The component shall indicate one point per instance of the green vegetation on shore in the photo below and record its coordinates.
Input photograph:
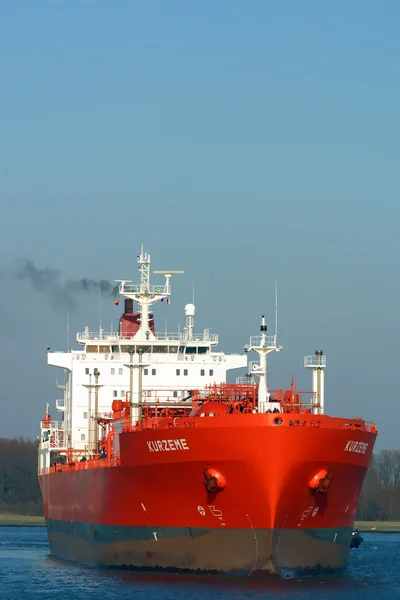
(19, 486)
(8, 519)
(380, 493)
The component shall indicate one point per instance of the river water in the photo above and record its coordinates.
(27, 571)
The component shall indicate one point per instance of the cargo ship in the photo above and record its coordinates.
(157, 462)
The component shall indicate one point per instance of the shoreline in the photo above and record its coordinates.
(378, 526)
(12, 520)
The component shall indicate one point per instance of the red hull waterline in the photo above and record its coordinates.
(153, 509)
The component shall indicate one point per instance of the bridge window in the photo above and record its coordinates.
(83, 437)
(211, 372)
(112, 371)
(159, 349)
(153, 371)
(122, 393)
(185, 371)
(175, 394)
(178, 371)
(85, 415)
(87, 371)
(145, 371)
(115, 393)
(202, 350)
(120, 371)
(202, 372)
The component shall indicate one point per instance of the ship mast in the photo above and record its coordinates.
(263, 345)
(145, 294)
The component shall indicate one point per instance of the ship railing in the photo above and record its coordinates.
(56, 439)
(52, 425)
(305, 419)
(315, 361)
(213, 391)
(140, 288)
(360, 425)
(294, 400)
(270, 341)
(180, 422)
(82, 465)
(245, 380)
(162, 397)
(205, 336)
(54, 434)
(371, 427)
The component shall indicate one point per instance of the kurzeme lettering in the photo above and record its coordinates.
(358, 447)
(167, 445)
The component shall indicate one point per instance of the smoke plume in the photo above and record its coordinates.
(61, 294)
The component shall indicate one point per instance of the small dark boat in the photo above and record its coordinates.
(356, 539)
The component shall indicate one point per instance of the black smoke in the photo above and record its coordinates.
(61, 294)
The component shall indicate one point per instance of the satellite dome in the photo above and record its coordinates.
(190, 310)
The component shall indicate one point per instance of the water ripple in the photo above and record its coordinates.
(27, 570)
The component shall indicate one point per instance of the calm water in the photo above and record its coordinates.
(27, 571)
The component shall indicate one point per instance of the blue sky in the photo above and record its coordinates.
(239, 141)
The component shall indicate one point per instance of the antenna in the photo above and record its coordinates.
(276, 310)
(167, 272)
(193, 292)
(145, 294)
(67, 332)
(100, 309)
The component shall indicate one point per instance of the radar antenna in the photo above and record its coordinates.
(146, 294)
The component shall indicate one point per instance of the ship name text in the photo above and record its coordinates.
(359, 447)
(167, 445)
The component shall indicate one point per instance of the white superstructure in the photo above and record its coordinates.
(133, 362)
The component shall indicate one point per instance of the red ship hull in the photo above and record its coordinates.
(153, 510)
